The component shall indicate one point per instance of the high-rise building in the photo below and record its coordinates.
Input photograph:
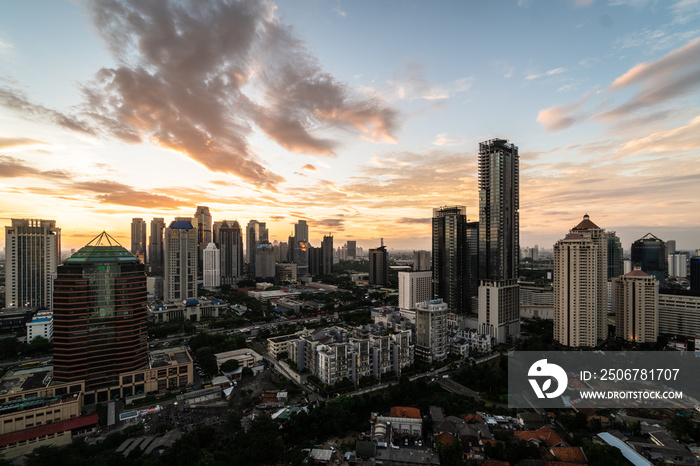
(379, 266)
(180, 278)
(352, 250)
(497, 299)
(499, 243)
(636, 306)
(32, 254)
(203, 223)
(265, 262)
(431, 330)
(255, 233)
(694, 266)
(314, 261)
(450, 257)
(580, 286)
(616, 266)
(498, 210)
(670, 246)
(138, 239)
(414, 287)
(327, 255)
(231, 246)
(678, 265)
(212, 266)
(679, 312)
(649, 252)
(472, 265)
(155, 247)
(300, 247)
(99, 315)
(421, 261)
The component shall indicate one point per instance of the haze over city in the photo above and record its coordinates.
(360, 117)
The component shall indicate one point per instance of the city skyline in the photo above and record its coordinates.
(600, 96)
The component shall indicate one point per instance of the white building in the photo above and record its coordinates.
(580, 286)
(40, 326)
(32, 254)
(536, 302)
(636, 305)
(414, 287)
(679, 313)
(678, 265)
(180, 277)
(212, 266)
(431, 330)
(499, 309)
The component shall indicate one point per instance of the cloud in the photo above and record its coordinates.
(583, 3)
(11, 167)
(551, 72)
(683, 138)
(561, 117)
(5, 47)
(7, 143)
(18, 101)
(196, 77)
(414, 220)
(309, 167)
(409, 82)
(443, 139)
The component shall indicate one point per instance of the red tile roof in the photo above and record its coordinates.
(48, 429)
(444, 438)
(569, 454)
(473, 418)
(400, 411)
(543, 434)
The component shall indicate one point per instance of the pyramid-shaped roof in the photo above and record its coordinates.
(102, 248)
(586, 224)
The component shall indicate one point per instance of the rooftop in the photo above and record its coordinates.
(586, 224)
(102, 248)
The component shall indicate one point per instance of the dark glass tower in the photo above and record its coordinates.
(695, 273)
(616, 264)
(327, 255)
(378, 266)
(649, 252)
(99, 315)
(155, 247)
(451, 257)
(231, 245)
(499, 221)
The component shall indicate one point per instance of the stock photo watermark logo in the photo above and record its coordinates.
(547, 372)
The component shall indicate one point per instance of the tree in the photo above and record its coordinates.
(230, 365)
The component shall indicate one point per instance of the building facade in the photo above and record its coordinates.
(615, 259)
(32, 254)
(138, 239)
(636, 306)
(40, 326)
(450, 257)
(212, 266)
(580, 286)
(99, 315)
(327, 255)
(414, 287)
(180, 277)
(421, 261)
(679, 312)
(649, 252)
(379, 266)
(499, 237)
(431, 330)
(231, 246)
(155, 246)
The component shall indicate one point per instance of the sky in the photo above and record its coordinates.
(357, 116)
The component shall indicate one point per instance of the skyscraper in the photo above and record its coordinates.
(498, 210)
(694, 273)
(32, 254)
(378, 266)
(212, 266)
(99, 315)
(352, 250)
(636, 305)
(580, 286)
(678, 265)
(414, 287)
(300, 247)
(203, 223)
(265, 262)
(251, 242)
(450, 257)
(615, 258)
(421, 261)
(180, 278)
(499, 244)
(138, 239)
(231, 246)
(649, 252)
(155, 247)
(327, 255)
